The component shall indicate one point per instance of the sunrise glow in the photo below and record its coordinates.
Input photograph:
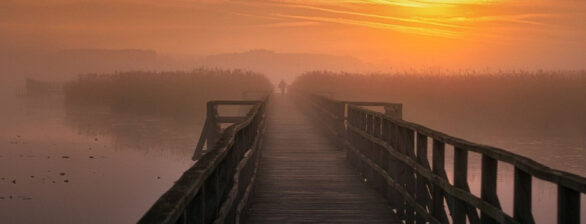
(292, 111)
(496, 33)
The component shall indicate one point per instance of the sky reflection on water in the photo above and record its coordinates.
(86, 166)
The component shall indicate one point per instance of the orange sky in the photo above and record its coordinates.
(401, 33)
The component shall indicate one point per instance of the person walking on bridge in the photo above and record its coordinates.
(283, 87)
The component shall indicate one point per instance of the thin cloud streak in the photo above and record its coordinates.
(427, 3)
(522, 19)
(377, 25)
(445, 26)
(374, 16)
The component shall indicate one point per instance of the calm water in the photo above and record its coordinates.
(90, 165)
(86, 165)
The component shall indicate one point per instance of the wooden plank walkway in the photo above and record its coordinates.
(303, 178)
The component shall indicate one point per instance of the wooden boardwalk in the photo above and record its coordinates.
(287, 172)
(303, 178)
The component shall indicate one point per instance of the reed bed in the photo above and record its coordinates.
(162, 93)
(517, 103)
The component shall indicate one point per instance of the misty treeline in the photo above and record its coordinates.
(522, 103)
(175, 93)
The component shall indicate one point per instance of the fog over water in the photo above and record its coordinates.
(85, 165)
(107, 154)
(108, 146)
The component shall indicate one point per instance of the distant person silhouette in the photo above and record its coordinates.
(283, 87)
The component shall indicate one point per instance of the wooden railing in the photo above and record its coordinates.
(392, 154)
(217, 188)
(211, 130)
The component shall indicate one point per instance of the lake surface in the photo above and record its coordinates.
(61, 164)
(86, 165)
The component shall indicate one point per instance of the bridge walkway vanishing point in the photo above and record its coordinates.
(303, 177)
(344, 162)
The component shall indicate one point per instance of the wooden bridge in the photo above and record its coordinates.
(310, 159)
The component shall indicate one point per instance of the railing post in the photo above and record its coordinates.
(423, 196)
(362, 121)
(568, 205)
(377, 153)
(396, 168)
(368, 147)
(213, 128)
(522, 197)
(391, 165)
(394, 111)
(460, 181)
(488, 186)
(340, 111)
(438, 209)
(407, 142)
(352, 120)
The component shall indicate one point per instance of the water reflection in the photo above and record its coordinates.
(86, 165)
(145, 133)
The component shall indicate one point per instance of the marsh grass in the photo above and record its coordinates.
(517, 103)
(176, 94)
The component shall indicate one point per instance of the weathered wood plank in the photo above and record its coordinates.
(303, 177)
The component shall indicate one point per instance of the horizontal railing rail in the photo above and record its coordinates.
(217, 188)
(392, 154)
(211, 129)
